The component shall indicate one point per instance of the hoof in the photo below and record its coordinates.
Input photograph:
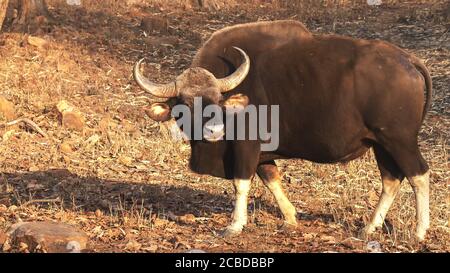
(289, 227)
(230, 232)
(420, 235)
(365, 233)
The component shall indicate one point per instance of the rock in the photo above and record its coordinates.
(48, 237)
(7, 109)
(98, 213)
(151, 24)
(66, 148)
(187, 219)
(33, 169)
(37, 42)
(71, 118)
(73, 121)
(3, 238)
(374, 247)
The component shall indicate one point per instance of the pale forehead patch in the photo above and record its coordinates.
(196, 76)
(158, 110)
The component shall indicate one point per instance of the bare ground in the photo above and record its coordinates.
(128, 186)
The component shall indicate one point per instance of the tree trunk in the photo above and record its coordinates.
(3, 9)
(30, 13)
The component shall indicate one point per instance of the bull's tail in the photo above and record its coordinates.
(428, 84)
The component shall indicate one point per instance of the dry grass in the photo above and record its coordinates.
(125, 182)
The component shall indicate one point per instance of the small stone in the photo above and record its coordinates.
(66, 148)
(187, 219)
(48, 237)
(73, 247)
(33, 169)
(71, 118)
(98, 213)
(3, 238)
(7, 109)
(374, 247)
(37, 41)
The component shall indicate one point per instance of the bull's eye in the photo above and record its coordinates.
(213, 132)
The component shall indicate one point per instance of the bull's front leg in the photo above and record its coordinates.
(239, 216)
(246, 158)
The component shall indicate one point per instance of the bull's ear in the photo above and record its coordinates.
(236, 103)
(158, 111)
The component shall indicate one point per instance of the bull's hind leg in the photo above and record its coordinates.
(268, 172)
(411, 163)
(421, 187)
(391, 177)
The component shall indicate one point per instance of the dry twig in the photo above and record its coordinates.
(27, 121)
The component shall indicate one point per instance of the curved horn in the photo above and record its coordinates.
(232, 81)
(158, 90)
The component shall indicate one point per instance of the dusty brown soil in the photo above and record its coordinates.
(123, 181)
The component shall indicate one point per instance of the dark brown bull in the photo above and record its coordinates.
(338, 97)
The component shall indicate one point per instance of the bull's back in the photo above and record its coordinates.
(334, 91)
(217, 56)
